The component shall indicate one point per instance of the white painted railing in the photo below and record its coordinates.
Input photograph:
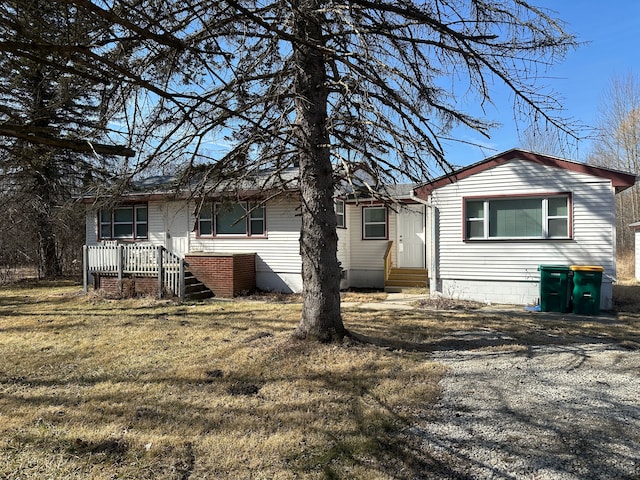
(136, 260)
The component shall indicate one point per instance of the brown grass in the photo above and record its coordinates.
(96, 388)
(625, 267)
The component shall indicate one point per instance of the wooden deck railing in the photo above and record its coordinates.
(388, 263)
(138, 260)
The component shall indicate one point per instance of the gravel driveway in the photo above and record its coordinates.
(541, 412)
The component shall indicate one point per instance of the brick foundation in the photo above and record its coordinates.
(131, 285)
(226, 275)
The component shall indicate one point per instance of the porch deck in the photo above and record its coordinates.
(127, 261)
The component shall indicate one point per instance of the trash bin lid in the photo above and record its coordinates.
(553, 267)
(587, 268)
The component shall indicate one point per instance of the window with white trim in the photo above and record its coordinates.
(374, 223)
(517, 218)
(339, 207)
(124, 222)
(238, 219)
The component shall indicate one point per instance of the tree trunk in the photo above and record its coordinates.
(321, 318)
(47, 243)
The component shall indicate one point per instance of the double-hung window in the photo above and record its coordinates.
(374, 223)
(124, 222)
(539, 217)
(238, 219)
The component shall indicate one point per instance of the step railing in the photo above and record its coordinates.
(135, 260)
(388, 263)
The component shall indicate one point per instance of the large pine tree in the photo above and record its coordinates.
(364, 88)
(44, 96)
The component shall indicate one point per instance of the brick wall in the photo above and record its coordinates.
(131, 285)
(225, 275)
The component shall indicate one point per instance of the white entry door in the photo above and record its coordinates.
(411, 237)
(177, 228)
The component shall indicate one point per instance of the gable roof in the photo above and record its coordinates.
(619, 180)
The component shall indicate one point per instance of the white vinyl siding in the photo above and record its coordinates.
(367, 254)
(278, 252)
(593, 225)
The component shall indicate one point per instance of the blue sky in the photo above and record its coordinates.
(610, 31)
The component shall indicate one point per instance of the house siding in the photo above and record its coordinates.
(278, 261)
(367, 256)
(507, 271)
(91, 227)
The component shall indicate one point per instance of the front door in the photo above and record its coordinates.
(177, 228)
(411, 237)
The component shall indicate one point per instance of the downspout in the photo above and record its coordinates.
(433, 242)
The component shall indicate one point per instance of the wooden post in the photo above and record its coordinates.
(85, 269)
(160, 276)
(181, 280)
(120, 266)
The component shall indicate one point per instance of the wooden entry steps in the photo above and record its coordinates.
(407, 277)
(194, 288)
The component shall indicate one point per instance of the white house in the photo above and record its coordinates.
(374, 239)
(480, 233)
(494, 222)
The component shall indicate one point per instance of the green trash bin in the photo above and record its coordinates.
(587, 282)
(555, 288)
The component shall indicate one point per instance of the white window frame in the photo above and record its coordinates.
(544, 202)
(385, 223)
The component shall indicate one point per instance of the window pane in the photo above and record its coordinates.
(105, 230)
(515, 218)
(105, 216)
(141, 230)
(205, 212)
(339, 206)
(257, 227)
(558, 227)
(258, 212)
(375, 215)
(558, 207)
(375, 231)
(475, 209)
(230, 221)
(123, 230)
(141, 214)
(123, 214)
(475, 229)
(204, 228)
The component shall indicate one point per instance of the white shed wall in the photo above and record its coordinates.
(637, 247)
(507, 271)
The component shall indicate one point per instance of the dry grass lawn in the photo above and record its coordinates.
(104, 389)
(96, 388)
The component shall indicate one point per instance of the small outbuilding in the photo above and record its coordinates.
(636, 228)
